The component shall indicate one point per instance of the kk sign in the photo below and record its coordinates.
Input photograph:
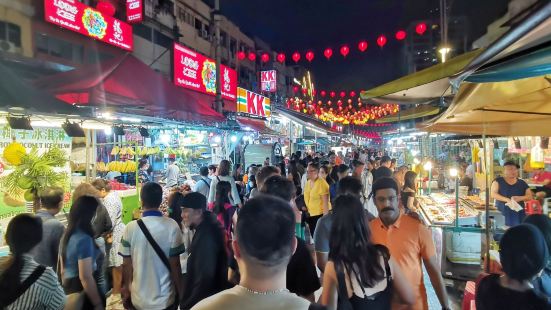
(252, 103)
(268, 81)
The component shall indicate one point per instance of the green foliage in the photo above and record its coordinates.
(38, 170)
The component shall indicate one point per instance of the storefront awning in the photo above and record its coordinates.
(16, 94)
(258, 125)
(306, 120)
(423, 85)
(511, 108)
(417, 112)
(126, 84)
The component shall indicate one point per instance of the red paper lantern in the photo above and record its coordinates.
(241, 55)
(296, 56)
(319, 102)
(329, 102)
(304, 91)
(421, 28)
(332, 94)
(342, 94)
(281, 57)
(349, 102)
(106, 8)
(252, 56)
(400, 35)
(328, 53)
(323, 93)
(362, 46)
(309, 56)
(345, 50)
(381, 40)
(339, 103)
(352, 94)
(295, 89)
(265, 57)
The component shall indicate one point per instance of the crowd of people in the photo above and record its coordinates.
(347, 228)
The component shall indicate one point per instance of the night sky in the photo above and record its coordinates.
(299, 25)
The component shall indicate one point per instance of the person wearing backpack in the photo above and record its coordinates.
(207, 264)
(151, 249)
(23, 282)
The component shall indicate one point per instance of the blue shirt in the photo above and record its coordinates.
(80, 246)
(512, 218)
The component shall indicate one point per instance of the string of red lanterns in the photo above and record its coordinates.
(325, 93)
(344, 50)
(340, 112)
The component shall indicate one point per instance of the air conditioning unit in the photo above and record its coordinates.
(9, 47)
(204, 34)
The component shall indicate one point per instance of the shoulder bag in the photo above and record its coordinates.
(25, 285)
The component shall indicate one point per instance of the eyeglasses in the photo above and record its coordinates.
(384, 199)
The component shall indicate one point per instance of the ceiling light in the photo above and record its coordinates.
(73, 129)
(20, 122)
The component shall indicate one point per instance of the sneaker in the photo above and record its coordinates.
(114, 299)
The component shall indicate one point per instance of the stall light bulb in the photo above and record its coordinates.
(402, 128)
(233, 139)
(217, 139)
(400, 141)
(414, 153)
(416, 161)
(108, 131)
(453, 172)
(427, 166)
(165, 138)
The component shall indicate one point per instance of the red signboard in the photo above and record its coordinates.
(268, 81)
(76, 16)
(134, 11)
(195, 71)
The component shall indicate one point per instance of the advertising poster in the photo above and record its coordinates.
(78, 17)
(252, 103)
(268, 81)
(134, 11)
(197, 72)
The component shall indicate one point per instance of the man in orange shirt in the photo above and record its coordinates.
(409, 242)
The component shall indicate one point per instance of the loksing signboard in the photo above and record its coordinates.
(195, 71)
(75, 16)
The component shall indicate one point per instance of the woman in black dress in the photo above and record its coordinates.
(408, 191)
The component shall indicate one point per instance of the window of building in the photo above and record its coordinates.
(142, 31)
(223, 38)
(162, 39)
(59, 48)
(11, 33)
(233, 46)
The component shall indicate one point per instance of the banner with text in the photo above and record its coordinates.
(78, 17)
(134, 11)
(253, 103)
(268, 81)
(195, 71)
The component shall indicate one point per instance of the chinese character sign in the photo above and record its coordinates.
(40, 138)
(195, 71)
(134, 11)
(75, 16)
(252, 103)
(268, 81)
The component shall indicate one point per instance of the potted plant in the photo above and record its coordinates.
(32, 172)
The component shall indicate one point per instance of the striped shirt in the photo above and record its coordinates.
(45, 293)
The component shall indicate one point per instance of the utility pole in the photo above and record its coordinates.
(218, 103)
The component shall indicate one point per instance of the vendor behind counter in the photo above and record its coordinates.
(507, 188)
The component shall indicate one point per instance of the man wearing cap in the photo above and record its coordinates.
(510, 188)
(207, 264)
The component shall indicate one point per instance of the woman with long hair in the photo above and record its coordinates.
(294, 175)
(79, 254)
(223, 174)
(359, 274)
(408, 191)
(222, 207)
(24, 283)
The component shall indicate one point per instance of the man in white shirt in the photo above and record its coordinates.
(262, 256)
(172, 173)
(148, 283)
(203, 185)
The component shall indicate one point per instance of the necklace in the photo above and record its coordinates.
(283, 290)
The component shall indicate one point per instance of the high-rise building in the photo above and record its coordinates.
(422, 51)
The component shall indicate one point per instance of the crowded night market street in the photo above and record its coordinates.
(265, 155)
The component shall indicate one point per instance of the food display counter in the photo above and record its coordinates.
(439, 209)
